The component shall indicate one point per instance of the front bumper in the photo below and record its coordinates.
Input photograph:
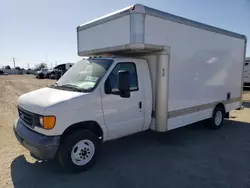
(41, 146)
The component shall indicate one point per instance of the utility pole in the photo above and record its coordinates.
(14, 61)
(47, 59)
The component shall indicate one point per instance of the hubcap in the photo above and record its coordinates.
(82, 152)
(218, 118)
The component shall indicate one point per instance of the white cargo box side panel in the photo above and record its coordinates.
(204, 65)
(113, 33)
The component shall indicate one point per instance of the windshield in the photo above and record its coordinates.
(85, 74)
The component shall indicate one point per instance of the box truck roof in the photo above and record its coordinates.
(132, 30)
(138, 8)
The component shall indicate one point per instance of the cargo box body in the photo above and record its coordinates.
(205, 62)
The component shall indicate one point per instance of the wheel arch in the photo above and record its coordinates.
(220, 105)
(210, 123)
(87, 125)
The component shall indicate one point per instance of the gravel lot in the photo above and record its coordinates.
(192, 156)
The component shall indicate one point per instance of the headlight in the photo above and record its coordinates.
(47, 122)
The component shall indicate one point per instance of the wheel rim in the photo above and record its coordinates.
(82, 152)
(218, 118)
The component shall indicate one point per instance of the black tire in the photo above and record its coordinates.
(40, 76)
(64, 154)
(213, 123)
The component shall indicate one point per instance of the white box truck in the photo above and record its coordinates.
(147, 70)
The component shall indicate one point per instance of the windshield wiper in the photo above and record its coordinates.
(71, 86)
(67, 86)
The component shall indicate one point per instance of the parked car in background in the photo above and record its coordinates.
(59, 70)
(52, 74)
(30, 71)
(43, 73)
(56, 73)
(2, 72)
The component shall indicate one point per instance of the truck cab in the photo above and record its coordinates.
(90, 97)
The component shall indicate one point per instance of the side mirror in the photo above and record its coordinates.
(124, 83)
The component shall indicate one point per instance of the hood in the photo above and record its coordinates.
(36, 101)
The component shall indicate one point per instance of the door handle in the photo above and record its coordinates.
(140, 104)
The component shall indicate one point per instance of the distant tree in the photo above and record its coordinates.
(40, 66)
(7, 67)
(29, 71)
(18, 68)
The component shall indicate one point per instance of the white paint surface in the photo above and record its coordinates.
(232, 106)
(186, 119)
(68, 107)
(123, 115)
(112, 33)
(204, 66)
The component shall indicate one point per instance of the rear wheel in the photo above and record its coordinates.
(218, 118)
(79, 151)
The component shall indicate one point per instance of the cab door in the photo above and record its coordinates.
(123, 116)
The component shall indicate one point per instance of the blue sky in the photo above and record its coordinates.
(30, 29)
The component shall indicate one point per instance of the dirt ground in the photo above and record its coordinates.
(192, 156)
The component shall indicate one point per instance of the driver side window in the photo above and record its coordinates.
(111, 81)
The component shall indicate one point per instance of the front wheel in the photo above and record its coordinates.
(79, 151)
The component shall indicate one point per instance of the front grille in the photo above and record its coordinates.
(26, 117)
